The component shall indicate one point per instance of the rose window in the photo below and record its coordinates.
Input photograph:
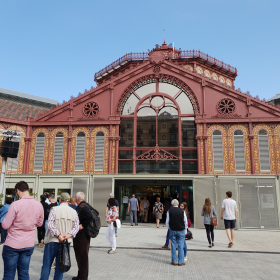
(226, 106)
(91, 109)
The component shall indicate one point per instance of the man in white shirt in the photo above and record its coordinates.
(229, 214)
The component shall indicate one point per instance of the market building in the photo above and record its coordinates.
(168, 123)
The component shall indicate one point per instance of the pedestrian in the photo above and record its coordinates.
(63, 224)
(47, 197)
(158, 210)
(229, 214)
(177, 223)
(144, 208)
(23, 217)
(184, 206)
(108, 207)
(3, 212)
(208, 211)
(72, 203)
(82, 240)
(133, 207)
(112, 216)
(41, 230)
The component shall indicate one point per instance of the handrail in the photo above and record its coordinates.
(145, 56)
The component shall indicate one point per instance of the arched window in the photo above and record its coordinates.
(13, 162)
(39, 152)
(218, 151)
(99, 151)
(80, 151)
(58, 152)
(239, 153)
(264, 151)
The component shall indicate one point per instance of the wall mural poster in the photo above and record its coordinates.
(267, 201)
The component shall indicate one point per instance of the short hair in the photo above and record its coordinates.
(43, 197)
(111, 194)
(229, 194)
(111, 202)
(133, 195)
(174, 202)
(80, 195)
(158, 198)
(22, 186)
(8, 200)
(52, 196)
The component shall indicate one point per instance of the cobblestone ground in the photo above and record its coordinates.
(139, 257)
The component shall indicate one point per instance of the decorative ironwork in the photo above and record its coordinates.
(91, 109)
(226, 106)
(179, 54)
(157, 154)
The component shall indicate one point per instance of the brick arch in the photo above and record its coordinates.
(46, 151)
(270, 133)
(177, 81)
(210, 131)
(21, 149)
(73, 150)
(51, 151)
(245, 131)
(106, 149)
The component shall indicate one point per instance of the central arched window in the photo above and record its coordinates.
(218, 151)
(58, 152)
(158, 132)
(264, 151)
(80, 151)
(239, 153)
(39, 152)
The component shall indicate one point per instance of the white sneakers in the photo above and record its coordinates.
(186, 258)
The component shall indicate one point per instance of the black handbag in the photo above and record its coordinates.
(64, 258)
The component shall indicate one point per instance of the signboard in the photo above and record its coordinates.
(185, 195)
(267, 201)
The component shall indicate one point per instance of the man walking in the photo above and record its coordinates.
(144, 208)
(63, 224)
(23, 217)
(177, 223)
(133, 207)
(229, 214)
(82, 240)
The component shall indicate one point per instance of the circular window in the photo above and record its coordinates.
(226, 106)
(91, 109)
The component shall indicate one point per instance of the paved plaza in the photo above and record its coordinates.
(255, 255)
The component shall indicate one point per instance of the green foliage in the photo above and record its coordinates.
(1, 196)
(33, 194)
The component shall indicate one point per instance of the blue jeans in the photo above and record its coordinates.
(16, 259)
(116, 230)
(174, 237)
(4, 233)
(51, 251)
(167, 239)
(185, 248)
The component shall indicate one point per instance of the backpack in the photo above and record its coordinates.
(189, 236)
(92, 229)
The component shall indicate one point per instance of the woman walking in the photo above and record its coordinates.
(184, 206)
(112, 216)
(158, 210)
(208, 211)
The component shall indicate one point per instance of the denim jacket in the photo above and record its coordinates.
(3, 212)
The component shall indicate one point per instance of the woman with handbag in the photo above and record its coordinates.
(158, 210)
(208, 211)
(111, 219)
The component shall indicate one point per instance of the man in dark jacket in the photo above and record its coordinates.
(82, 240)
(177, 223)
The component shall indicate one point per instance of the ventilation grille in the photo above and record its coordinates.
(80, 153)
(99, 153)
(239, 153)
(39, 154)
(58, 154)
(218, 153)
(264, 153)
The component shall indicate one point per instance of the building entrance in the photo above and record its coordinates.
(165, 189)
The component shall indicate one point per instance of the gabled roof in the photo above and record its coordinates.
(277, 96)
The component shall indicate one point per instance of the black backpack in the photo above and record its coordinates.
(92, 229)
(189, 236)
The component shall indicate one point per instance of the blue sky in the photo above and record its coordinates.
(53, 48)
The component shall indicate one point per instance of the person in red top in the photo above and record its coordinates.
(22, 219)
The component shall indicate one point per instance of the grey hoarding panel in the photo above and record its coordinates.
(101, 189)
(80, 185)
(223, 185)
(203, 188)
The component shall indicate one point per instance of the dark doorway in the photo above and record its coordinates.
(165, 189)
